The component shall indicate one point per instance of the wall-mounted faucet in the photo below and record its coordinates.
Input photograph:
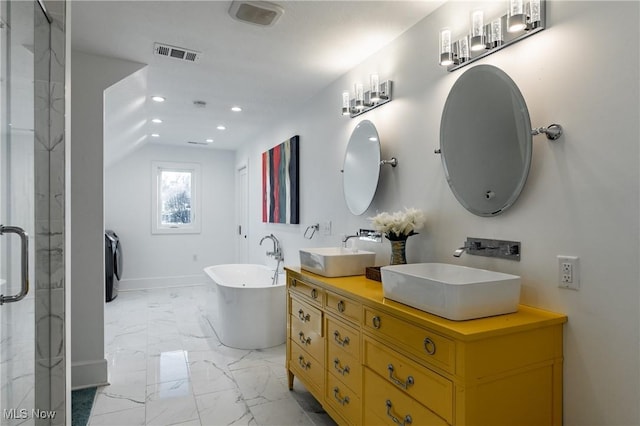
(490, 248)
(348, 237)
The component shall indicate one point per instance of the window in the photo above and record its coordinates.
(175, 201)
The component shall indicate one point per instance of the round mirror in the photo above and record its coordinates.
(361, 167)
(485, 140)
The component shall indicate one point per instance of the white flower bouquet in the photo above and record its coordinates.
(399, 225)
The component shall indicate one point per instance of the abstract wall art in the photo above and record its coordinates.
(280, 183)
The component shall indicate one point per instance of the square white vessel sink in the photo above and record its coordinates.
(336, 261)
(451, 291)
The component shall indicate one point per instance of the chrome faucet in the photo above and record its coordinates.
(348, 237)
(459, 251)
(276, 254)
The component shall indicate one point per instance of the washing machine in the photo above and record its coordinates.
(112, 264)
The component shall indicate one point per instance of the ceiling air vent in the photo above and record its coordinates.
(260, 13)
(176, 52)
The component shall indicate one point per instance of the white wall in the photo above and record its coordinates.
(90, 76)
(581, 197)
(152, 260)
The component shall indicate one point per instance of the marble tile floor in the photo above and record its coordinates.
(167, 367)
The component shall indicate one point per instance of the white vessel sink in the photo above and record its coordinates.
(452, 291)
(336, 261)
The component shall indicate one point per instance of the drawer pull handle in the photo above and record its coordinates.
(407, 418)
(341, 306)
(304, 365)
(303, 317)
(344, 371)
(429, 346)
(305, 342)
(376, 322)
(341, 401)
(342, 342)
(314, 293)
(404, 385)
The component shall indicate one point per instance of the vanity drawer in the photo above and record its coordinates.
(302, 313)
(345, 367)
(343, 307)
(343, 400)
(309, 369)
(344, 337)
(422, 342)
(431, 389)
(312, 293)
(390, 406)
(305, 336)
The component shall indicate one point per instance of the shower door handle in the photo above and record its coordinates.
(24, 263)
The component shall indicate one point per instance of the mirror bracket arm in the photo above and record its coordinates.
(553, 132)
(393, 162)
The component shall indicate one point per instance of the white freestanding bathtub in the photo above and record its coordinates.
(247, 311)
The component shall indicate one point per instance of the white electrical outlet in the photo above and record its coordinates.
(326, 228)
(569, 272)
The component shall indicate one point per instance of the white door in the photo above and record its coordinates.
(242, 230)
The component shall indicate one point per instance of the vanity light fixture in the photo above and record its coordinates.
(523, 19)
(363, 101)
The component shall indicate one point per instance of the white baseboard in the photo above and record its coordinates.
(161, 282)
(88, 374)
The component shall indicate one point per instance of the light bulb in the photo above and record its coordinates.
(345, 102)
(359, 89)
(375, 88)
(477, 31)
(534, 17)
(497, 39)
(463, 49)
(517, 18)
(446, 55)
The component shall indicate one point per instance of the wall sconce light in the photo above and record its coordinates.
(523, 19)
(363, 101)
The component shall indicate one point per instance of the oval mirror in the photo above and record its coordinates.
(485, 140)
(361, 167)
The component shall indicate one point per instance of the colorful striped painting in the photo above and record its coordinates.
(280, 189)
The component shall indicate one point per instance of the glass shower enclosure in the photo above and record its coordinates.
(32, 350)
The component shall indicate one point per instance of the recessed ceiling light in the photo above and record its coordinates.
(155, 135)
(209, 140)
(158, 98)
(236, 109)
(221, 127)
(157, 120)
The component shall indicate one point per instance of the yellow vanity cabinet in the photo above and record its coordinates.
(344, 369)
(387, 363)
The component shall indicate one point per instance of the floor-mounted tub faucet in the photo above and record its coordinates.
(276, 254)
